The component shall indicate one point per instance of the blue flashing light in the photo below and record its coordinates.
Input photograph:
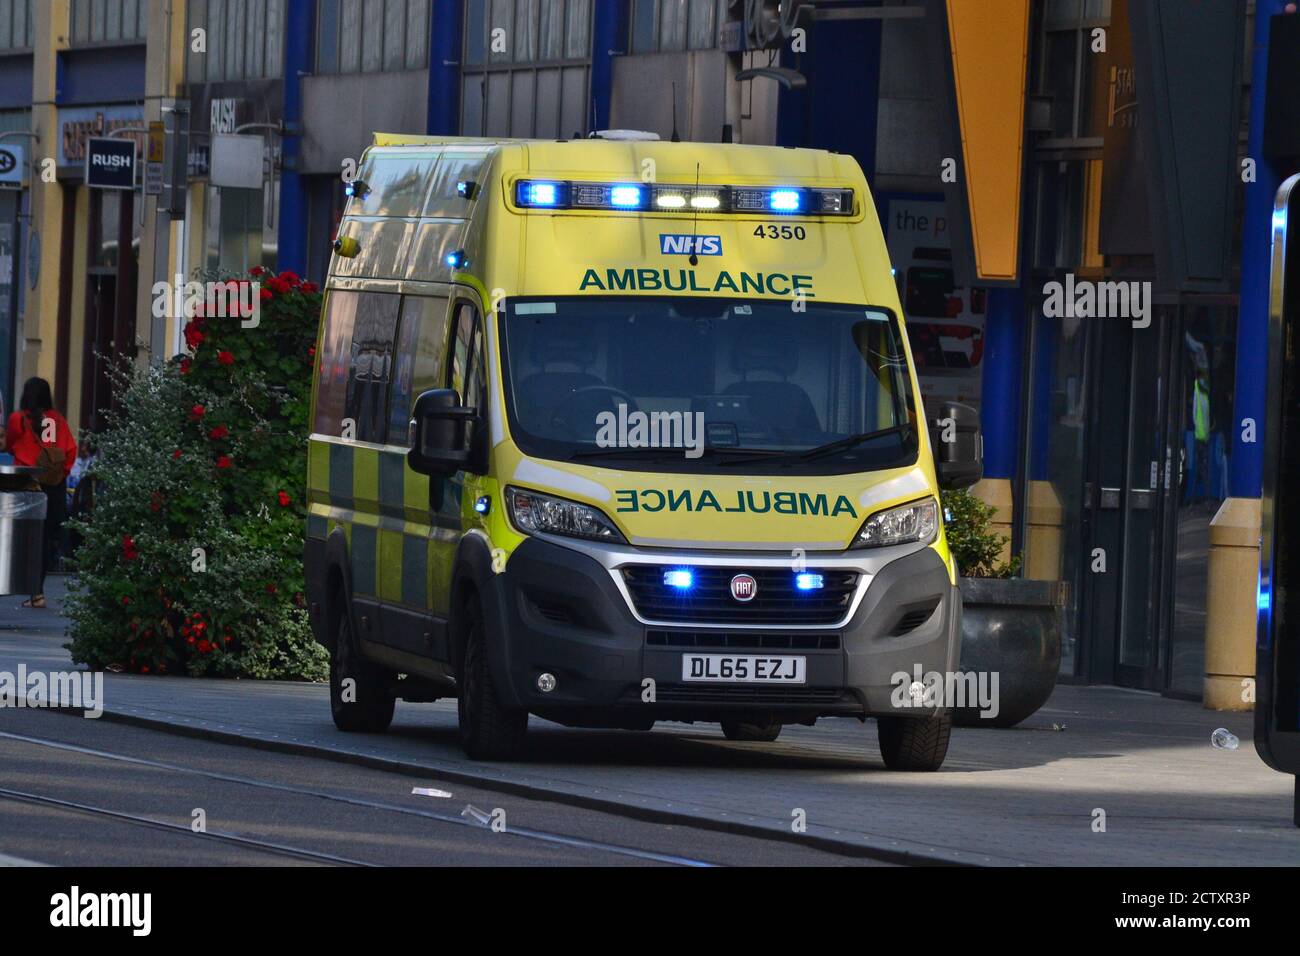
(784, 200)
(539, 194)
(457, 259)
(483, 505)
(809, 582)
(681, 579)
(626, 197)
(1262, 600)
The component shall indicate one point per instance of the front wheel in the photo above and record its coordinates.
(360, 699)
(488, 730)
(749, 730)
(914, 743)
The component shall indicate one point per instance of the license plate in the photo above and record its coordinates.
(744, 668)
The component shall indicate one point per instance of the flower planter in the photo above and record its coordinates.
(1010, 626)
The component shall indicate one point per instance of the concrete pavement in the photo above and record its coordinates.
(1030, 795)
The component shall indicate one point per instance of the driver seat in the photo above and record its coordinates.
(783, 406)
(562, 355)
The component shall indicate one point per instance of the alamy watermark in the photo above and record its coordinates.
(638, 429)
(1084, 299)
(977, 690)
(225, 299)
(72, 690)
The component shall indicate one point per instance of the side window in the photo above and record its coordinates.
(467, 375)
(417, 363)
(371, 367)
(335, 362)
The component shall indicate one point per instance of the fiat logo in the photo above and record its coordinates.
(744, 587)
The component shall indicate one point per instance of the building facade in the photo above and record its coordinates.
(1015, 147)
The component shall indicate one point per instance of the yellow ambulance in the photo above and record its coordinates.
(613, 431)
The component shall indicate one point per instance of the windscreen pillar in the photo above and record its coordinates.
(1233, 566)
(1000, 407)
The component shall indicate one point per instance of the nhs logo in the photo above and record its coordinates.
(671, 244)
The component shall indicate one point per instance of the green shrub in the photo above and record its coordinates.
(192, 557)
(975, 547)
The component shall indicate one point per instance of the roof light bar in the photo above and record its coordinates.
(636, 197)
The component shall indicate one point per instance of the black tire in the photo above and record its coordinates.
(370, 710)
(914, 743)
(748, 730)
(488, 730)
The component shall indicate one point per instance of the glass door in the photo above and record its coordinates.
(1128, 470)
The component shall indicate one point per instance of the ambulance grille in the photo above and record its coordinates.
(745, 640)
(744, 694)
(777, 601)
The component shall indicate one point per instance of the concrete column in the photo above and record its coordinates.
(1233, 571)
(40, 321)
(299, 59)
(1043, 517)
(608, 39)
(446, 30)
(1231, 603)
(997, 493)
(168, 44)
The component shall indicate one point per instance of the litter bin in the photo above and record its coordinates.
(22, 530)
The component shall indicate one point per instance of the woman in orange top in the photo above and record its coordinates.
(38, 436)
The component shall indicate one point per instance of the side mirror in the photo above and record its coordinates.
(440, 440)
(957, 445)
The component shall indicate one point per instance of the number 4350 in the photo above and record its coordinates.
(771, 231)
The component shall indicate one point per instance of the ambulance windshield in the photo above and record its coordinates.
(696, 384)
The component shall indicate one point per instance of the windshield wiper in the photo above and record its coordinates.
(853, 441)
(660, 453)
(654, 454)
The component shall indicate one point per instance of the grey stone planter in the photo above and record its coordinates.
(1011, 626)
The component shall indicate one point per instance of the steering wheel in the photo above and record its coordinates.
(575, 415)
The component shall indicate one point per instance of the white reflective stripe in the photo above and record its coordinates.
(544, 478)
(910, 485)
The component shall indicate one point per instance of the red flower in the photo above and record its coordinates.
(185, 366)
(266, 295)
(285, 500)
(278, 286)
(189, 639)
(312, 351)
(128, 548)
(225, 357)
(204, 646)
(310, 287)
(176, 454)
(271, 589)
(197, 412)
(256, 271)
(193, 337)
(223, 461)
(125, 600)
(218, 433)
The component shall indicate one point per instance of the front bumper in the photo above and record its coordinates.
(565, 609)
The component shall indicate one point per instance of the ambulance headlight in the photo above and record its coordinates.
(915, 522)
(534, 513)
